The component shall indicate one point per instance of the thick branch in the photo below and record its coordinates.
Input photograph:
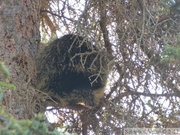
(103, 24)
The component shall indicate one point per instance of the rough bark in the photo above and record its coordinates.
(19, 38)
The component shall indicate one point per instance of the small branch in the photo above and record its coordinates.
(47, 11)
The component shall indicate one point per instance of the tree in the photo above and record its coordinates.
(142, 41)
(19, 26)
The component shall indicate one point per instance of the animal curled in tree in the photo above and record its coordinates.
(73, 71)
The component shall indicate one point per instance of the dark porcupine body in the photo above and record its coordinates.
(72, 70)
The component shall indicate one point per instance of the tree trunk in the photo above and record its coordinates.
(19, 38)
